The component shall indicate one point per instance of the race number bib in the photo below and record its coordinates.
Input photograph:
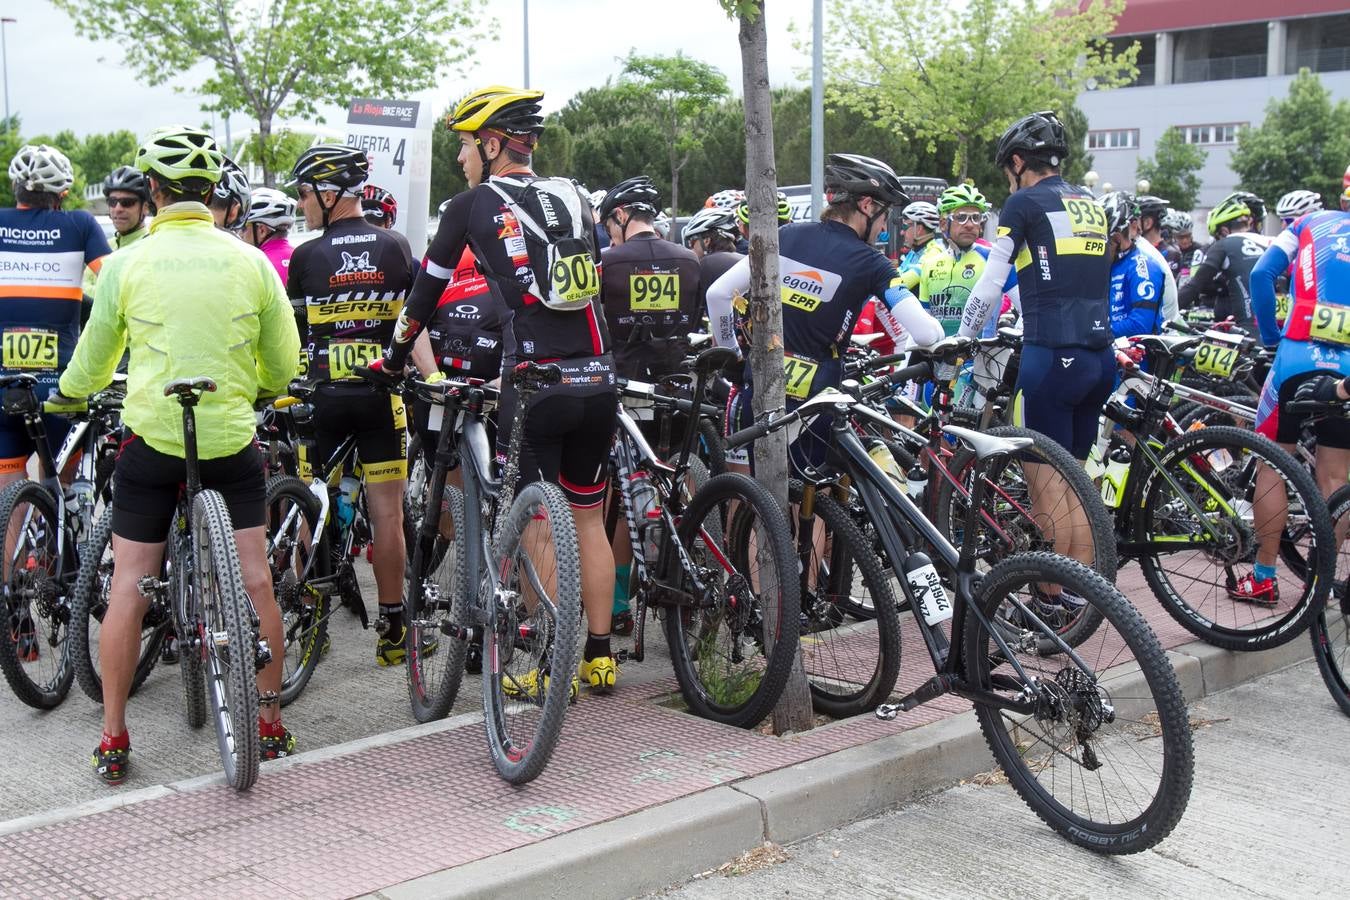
(29, 348)
(302, 369)
(800, 373)
(654, 293)
(1216, 360)
(1329, 323)
(574, 278)
(1282, 307)
(345, 356)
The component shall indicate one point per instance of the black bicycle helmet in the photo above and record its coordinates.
(637, 192)
(331, 166)
(851, 175)
(1254, 203)
(1151, 207)
(1038, 136)
(125, 178)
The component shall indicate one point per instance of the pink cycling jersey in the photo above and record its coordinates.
(278, 251)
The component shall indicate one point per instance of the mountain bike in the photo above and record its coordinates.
(1094, 738)
(507, 573)
(712, 557)
(48, 532)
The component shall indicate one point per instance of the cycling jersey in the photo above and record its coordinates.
(278, 251)
(710, 268)
(911, 264)
(466, 329)
(480, 218)
(946, 278)
(649, 290)
(1223, 276)
(1316, 338)
(118, 242)
(1170, 306)
(351, 281)
(869, 322)
(1137, 285)
(194, 301)
(1055, 234)
(43, 254)
(826, 273)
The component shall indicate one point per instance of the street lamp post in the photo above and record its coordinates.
(526, 85)
(4, 61)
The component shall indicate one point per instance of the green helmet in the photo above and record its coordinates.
(784, 210)
(959, 195)
(1229, 208)
(177, 153)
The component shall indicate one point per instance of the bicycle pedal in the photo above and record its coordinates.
(888, 711)
(264, 655)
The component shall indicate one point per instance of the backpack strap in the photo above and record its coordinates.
(517, 210)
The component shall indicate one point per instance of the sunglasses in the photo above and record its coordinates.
(124, 201)
(973, 218)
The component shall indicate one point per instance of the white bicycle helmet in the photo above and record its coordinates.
(707, 222)
(662, 225)
(728, 199)
(1298, 203)
(37, 167)
(1178, 222)
(270, 207)
(926, 214)
(596, 198)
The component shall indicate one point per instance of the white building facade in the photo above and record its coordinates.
(1210, 69)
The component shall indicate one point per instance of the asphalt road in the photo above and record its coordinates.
(1269, 817)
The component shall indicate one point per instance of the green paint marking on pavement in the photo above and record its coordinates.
(541, 820)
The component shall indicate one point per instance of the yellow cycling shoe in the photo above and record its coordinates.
(526, 687)
(601, 673)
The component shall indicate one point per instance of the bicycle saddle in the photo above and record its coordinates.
(986, 445)
(713, 359)
(185, 387)
(1171, 344)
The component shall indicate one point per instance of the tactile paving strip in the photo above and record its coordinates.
(356, 823)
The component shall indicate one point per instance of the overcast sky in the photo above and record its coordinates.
(59, 80)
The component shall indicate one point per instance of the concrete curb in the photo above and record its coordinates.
(693, 834)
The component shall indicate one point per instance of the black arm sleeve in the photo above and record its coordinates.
(442, 255)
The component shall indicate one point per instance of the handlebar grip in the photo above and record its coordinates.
(883, 386)
(1317, 407)
(285, 402)
(746, 435)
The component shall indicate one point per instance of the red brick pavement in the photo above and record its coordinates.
(358, 822)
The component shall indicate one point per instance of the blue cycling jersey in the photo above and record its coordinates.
(1315, 252)
(1137, 285)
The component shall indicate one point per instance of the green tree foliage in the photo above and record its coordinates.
(92, 157)
(680, 91)
(958, 73)
(285, 58)
(1304, 143)
(1171, 172)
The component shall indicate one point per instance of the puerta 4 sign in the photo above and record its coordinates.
(396, 135)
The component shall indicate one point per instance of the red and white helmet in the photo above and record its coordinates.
(728, 200)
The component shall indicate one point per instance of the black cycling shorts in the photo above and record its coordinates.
(567, 441)
(147, 483)
(1061, 392)
(1332, 432)
(375, 417)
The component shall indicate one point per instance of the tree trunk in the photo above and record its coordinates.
(793, 712)
(265, 149)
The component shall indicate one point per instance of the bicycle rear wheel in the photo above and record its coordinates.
(530, 646)
(1192, 559)
(1015, 523)
(89, 604)
(1331, 626)
(851, 664)
(34, 646)
(229, 639)
(1096, 742)
(733, 647)
(438, 596)
(292, 520)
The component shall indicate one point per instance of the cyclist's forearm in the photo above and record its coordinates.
(988, 292)
(721, 292)
(1272, 264)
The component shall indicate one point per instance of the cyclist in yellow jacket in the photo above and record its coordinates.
(192, 301)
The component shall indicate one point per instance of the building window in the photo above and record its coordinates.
(1321, 44)
(1211, 134)
(1113, 139)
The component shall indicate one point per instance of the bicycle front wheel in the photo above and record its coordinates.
(88, 606)
(34, 646)
(530, 646)
(1331, 626)
(733, 643)
(438, 597)
(850, 664)
(229, 639)
(1198, 531)
(292, 520)
(1096, 741)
